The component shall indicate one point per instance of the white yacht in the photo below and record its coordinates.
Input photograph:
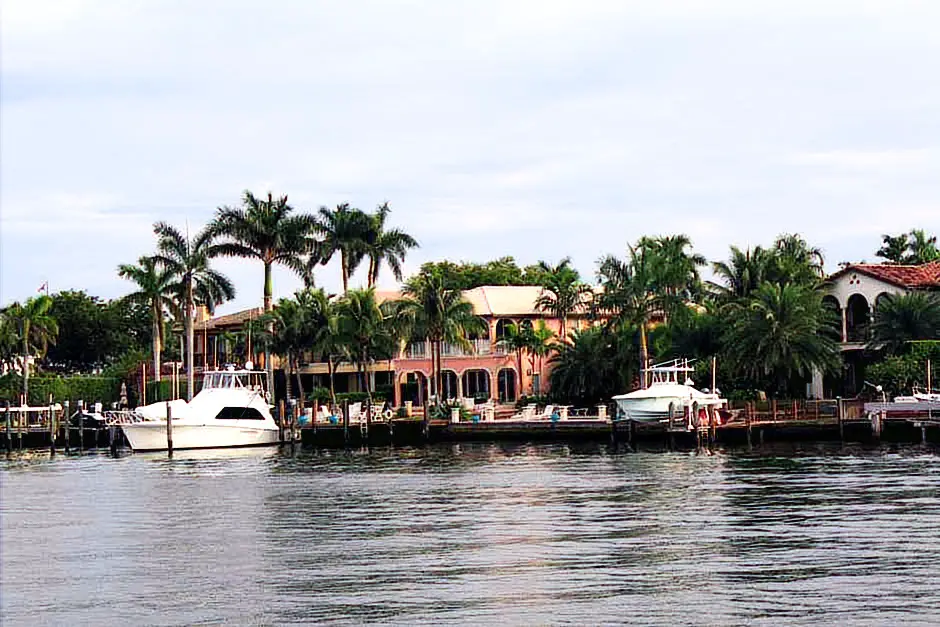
(230, 410)
(652, 404)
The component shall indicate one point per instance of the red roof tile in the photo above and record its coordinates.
(923, 276)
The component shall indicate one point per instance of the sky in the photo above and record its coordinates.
(539, 129)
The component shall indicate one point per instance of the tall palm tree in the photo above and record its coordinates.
(325, 340)
(675, 268)
(155, 290)
(904, 318)
(781, 332)
(439, 314)
(35, 330)
(743, 273)
(597, 363)
(795, 261)
(362, 325)
(344, 230)
(288, 332)
(517, 340)
(893, 248)
(922, 247)
(563, 293)
(386, 245)
(539, 345)
(632, 297)
(269, 230)
(188, 258)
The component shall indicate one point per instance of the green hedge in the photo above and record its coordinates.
(90, 389)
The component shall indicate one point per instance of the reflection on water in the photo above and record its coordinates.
(474, 534)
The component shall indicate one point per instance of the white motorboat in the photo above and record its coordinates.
(230, 410)
(666, 393)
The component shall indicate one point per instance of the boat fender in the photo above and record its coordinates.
(388, 414)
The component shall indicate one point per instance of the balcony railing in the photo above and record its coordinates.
(858, 333)
(416, 350)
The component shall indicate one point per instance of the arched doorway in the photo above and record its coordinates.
(449, 387)
(476, 384)
(506, 385)
(413, 387)
(502, 331)
(857, 318)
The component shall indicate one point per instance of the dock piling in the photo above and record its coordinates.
(66, 428)
(80, 406)
(169, 431)
(6, 415)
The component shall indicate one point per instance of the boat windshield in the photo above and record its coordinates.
(233, 380)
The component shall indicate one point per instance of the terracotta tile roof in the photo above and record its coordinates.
(925, 276)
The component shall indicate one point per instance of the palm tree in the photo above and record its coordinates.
(781, 332)
(188, 259)
(893, 248)
(289, 329)
(344, 230)
(35, 330)
(433, 312)
(922, 247)
(155, 283)
(632, 297)
(743, 273)
(325, 340)
(388, 246)
(597, 363)
(902, 318)
(539, 345)
(795, 261)
(362, 324)
(676, 269)
(563, 293)
(268, 230)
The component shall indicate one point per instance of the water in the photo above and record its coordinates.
(474, 534)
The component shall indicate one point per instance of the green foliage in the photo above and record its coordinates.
(900, 374)
(596, 364)
(563, 293)
(904, 318)
(159, 390)
(319, 395)
(468, 275)
(913, 248)
(62, 388)
(383, 245)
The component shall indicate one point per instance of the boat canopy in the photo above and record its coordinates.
(229, 379)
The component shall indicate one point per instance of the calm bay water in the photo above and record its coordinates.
(473, 534)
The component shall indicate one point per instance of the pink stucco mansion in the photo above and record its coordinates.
(488, 371)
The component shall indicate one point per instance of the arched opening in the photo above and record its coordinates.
(502, 331)
(449, 387)
(857, 318)
(413, 387)
(879, 300)
(525, 326)
(506, 385)
(476, 384)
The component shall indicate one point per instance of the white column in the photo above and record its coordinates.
(816, 387)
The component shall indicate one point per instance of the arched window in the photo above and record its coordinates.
(476, 384)
(449, 384)
(502, 328)
(857, 318)
(506, 384)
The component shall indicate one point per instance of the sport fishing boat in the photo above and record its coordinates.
(230, 410)
(670, 388)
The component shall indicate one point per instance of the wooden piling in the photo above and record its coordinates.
(426, 422)
(747, 423)
(68, 424)
(169, 431)
(280, 420)
(6, 414)
(81, 425)
(51, 427)
(346, 422)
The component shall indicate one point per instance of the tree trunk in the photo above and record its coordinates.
(288, 372)
(329, 363)
(26, 363)
(644, 356)
(564, 328)
(190, 339)
(344, 268)
(156, 343)
(268, 306)
(300, 382)
(365, 379)
(440, 371)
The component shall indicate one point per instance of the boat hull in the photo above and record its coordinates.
(151, 436)
(650, 409)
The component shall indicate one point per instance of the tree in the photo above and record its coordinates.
(893, 248)
(288, 330)
(781, 332)
(904, 318)
(795, 261)
(597, 363)
(362, 324)
(518, 341)
(634, 294)
(431, 311)
(675, 269)
(35, 330)
(913, 248)
(188, 259)
(386, 246)
(268, 230)
(155, 289)
(563, 293)
(326, 341)
(344, 230)
(539, 345)
(743, 273)
(502, 271)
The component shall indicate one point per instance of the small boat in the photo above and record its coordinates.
(230, 410)
(666, 394)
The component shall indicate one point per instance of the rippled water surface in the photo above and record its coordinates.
(474, 534)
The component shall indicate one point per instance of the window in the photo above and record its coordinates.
(239, 413)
